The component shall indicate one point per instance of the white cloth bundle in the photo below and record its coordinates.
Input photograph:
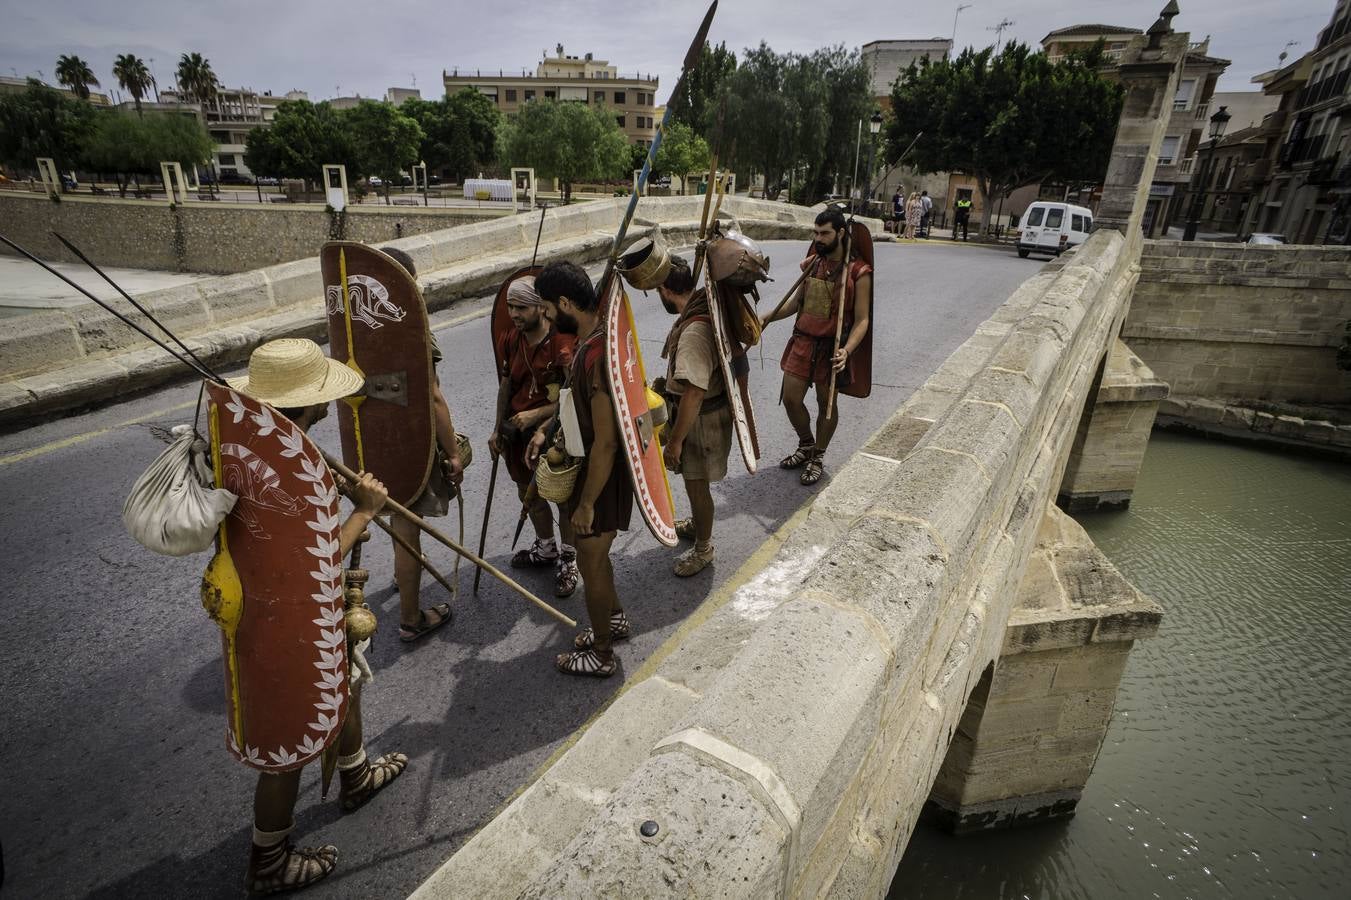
(173, 508)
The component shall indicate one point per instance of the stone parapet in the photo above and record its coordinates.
(1325, 432)
(63, 359)
(788, 743)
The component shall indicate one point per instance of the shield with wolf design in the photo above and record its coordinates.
(285, 646)
(859, 367)
(377, 325)
(735, 371)
(628, 389)
(501, 323)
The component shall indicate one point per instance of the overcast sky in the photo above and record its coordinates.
(349, 47)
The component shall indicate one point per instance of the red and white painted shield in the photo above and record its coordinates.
(286, 663)
(628, 388)
(377, 325)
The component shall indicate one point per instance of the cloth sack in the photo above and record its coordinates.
(174, 508)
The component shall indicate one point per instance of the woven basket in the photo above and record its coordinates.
(466, 450)
(555, 485)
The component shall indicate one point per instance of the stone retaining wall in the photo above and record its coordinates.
(1235, 322)
(787, 745)
(217, 238)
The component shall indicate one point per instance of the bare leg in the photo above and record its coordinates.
(542, 518)
(701, 506)
(408, 576)
(598, 577)
(361, 778)
(825, 428)
(276, 865)
(794, 404)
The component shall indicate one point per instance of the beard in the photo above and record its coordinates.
(565, 323)
(669, 306)
(824, 249)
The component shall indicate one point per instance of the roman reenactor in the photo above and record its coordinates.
(602, 499)
(399, 427)
(831, 345)
(533, 359)
(276, 587)
(700, 435)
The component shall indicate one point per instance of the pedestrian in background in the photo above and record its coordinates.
(914, 212)
(963, 216)
(898, 211)
(928, 204)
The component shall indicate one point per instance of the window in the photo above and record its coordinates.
(549, 95)
(220, 137)
(619, 98)
(1183, 98)
(1077, 223)
(529, 95)
(511, 95)
(1054, 218)
(620, 120)
(1034, 216)
(226, 159)
(1168, 151)
(598, 96)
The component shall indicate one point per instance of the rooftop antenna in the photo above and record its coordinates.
(999, 31)
(1288, 44)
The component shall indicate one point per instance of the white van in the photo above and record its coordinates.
(1053, 228)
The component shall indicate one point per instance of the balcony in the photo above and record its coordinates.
(1324, 89)
(1324, 171)
(1333, 33)
(1202, 111)
(1305, 149)
(1186, 166)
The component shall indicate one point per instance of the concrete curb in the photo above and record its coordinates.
(223, 319)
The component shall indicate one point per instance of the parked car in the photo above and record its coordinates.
(268, 181)
(375, 181)
(1265, 237)
(1053, 228)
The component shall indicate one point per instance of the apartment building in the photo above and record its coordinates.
(229, 117)
(631, 98)
(1188, 120)
(1305, 193)
(887, 59)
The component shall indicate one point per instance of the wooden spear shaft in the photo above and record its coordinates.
(839, 319)
(488, 567)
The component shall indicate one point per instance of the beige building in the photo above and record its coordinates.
(229, 117)
(584, 79)
(10, 85)
(1188, 123)
(1306, 192)
(887, 59)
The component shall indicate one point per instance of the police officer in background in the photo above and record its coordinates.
(963, 216)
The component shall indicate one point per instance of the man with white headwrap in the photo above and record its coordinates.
(536, 359)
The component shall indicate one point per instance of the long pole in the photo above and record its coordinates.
(487, 509)
(839, 317)
(858, 142)
(952, 44)
(345, 472)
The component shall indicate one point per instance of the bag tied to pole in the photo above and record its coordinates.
(174, 508)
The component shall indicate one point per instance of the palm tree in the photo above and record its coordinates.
(196, 78)
(134, 77)
(75, 74)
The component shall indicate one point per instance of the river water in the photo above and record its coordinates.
(1227, 768)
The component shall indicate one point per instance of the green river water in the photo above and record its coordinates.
(1227, 768)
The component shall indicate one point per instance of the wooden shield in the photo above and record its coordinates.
(721, 302)
(377, 325)
(628, 388)
(286, 658)
(501, 321)
(860, 364)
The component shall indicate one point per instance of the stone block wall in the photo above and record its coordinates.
(1241, 322)
(787, 746)
(1031, 732)
(215, 238)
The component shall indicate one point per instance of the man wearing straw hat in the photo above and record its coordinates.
(294, 376)
(537, 358)
(602, 500)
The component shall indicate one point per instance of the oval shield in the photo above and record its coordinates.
(377, 325)
(286, 656)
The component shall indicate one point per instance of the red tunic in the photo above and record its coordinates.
(530, 372)
(807, 355)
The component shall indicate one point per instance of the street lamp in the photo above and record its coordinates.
(874, 127)
(1218, 123)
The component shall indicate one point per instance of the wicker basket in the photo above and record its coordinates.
(466, 450)
(555, 485)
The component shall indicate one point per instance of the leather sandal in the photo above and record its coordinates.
(814, 470)
(586, 662)
(620, 629)
(798, 457)
(410, 633)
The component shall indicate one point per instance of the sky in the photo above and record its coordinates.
(344, 47)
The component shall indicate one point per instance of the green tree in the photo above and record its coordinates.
(1009, 120)
(846, 101)
(42, 121)
(567, 141)
(197, 79)
(302, 138)
(681, 152)
(459, 132)
(385, 142)
(131, 73)
(696, 105)
(75, 74)
(127, 146)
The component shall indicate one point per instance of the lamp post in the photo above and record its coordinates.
(874, 127)
(952, 44)
(1218, 123)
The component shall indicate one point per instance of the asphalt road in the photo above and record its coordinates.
(116, 781)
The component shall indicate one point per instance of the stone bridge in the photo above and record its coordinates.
(933, 633)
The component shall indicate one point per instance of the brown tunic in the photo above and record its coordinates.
(614, 505)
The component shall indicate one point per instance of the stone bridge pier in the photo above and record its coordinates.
(934, 632)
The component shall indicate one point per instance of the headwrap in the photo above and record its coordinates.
(522, 290)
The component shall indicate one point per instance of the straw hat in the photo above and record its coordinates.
(293, 372)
